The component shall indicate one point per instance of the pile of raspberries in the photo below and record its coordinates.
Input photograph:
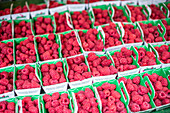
(160, 84)
(61, 22)
(156, 12)
(23, 29)
(6, 82)
(138, 94)
(151, 33)
(52, 74)
(5, 12)
(29, 105)
(26, 78)
(123, 60)
(119, 15)
(86, 101)
(43, 26)
(164, 54)
(78, 69)
(112, 37)
(145, 58)
(57, 103)
(136, 13)
(47, 47)
(25, 51)
(34, 7)
(132, 35)
(54, 4)
(19, 9)
(5, 30)
(70, 45)
(81, 20)
(101, 17)
(89, 40)
(6, 54)
(110, 99)
(167, 26)
(7, 107)
(100, 66)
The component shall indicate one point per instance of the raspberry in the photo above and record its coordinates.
(145, 106)
(137, 99)
(33, 109)
(135, 107)
(153, 77)
(142, 90)
(2, 107)
(119, 106)
(165, 101)
(136, 80)
(55, 96)
(115, 94)
(158, 102)
(89, 93)
(158, 85)
(164, 82)
(146, 98)
(47, 98)
(161, 95)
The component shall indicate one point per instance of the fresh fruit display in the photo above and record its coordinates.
(29, 105)
(78, 69)
(7, 107)
(139, 98)
(160, 85)
(81, 20)
(25, 51)
(119, 15)
(57, 103)
(22, 29)
(136, 13)
(47, 47)
(156, 12)
(101, 65)
(61, 22)
(112, 37)
(123, 60)
(151, 33)
(20, 9)
(26, 78)
(167, 34)
(6, 82)
(110, 99)
(52, 74)
(86, 101)
(34, 7)
(70, 45)
(90, 40)
(145, 58)
(5, 30)
(6, 54)
(132, 34)
(163, 52)
(43, 25)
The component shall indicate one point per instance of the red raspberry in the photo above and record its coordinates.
(142, 90)
(47, 98)
(115, 94)
(146, 98)
(161, 95)
(158, 85)
(145, 106)
(136, 80)
(158, 102)
(89, 93)
(153, 77)
(137, 99)
(135, 107)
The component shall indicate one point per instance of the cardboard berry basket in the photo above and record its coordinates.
(10, 94)
(59, 86)
(161, 30)
(79, 83)
(103, 7)
(128, 72)
(166, 4)
(17, 42)
(41, 12)
(43, 102)
(46, 16)
(125, 13)
(76, 35)
(147, 68)
(16, 22)
(6, 17)
(18, 16)
(76, 90)
(31, 91)
(162, 73)
(106, 77)
(33, 97)
(12, 28)
(120, 31)
(98, 38)
(141, 37)
(143, 82)
(46, 36)
(118, 89)
(157, 54)
(79, 8)
(143, 11)
(6, 41)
